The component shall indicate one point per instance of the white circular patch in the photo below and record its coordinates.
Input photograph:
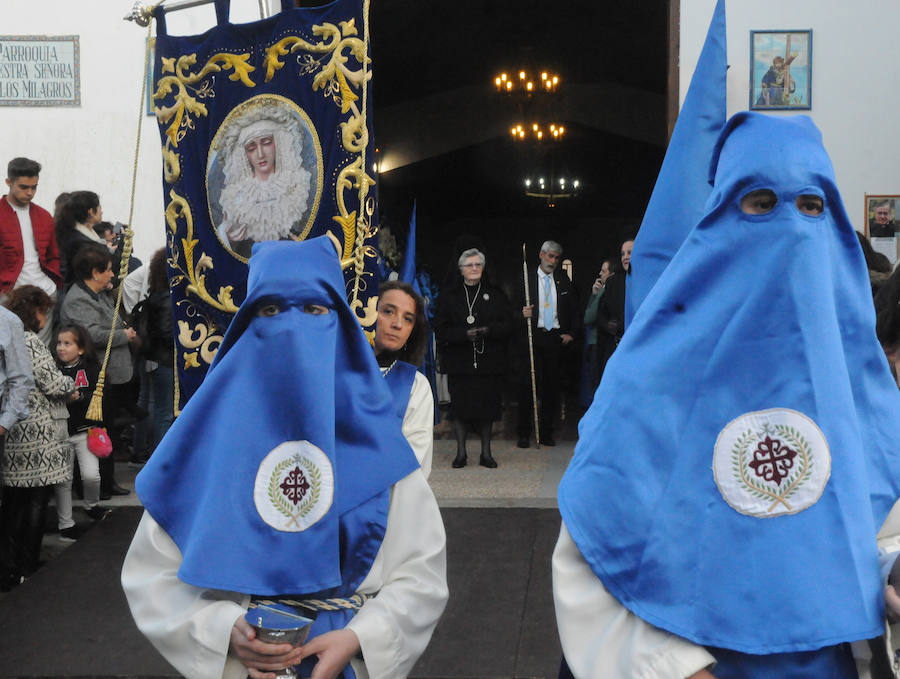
(771, 462)
(294, 486)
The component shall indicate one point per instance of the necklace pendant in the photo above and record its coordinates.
(470, 319)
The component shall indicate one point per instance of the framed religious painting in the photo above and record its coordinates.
(780, 70)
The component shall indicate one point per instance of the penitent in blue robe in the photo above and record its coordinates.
(743, 447)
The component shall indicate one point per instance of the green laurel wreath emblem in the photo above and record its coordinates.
(280, 502)
(792, 483)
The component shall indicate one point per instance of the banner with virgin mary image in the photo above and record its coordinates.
(266, 135)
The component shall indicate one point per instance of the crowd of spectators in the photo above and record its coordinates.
(58, 282)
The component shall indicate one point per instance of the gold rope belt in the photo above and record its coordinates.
(354, 602)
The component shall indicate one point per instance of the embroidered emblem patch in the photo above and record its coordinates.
(294, 486)
(771, 462)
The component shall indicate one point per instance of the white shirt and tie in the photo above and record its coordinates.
(547, 317)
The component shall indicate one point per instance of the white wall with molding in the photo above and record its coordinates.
(855, 73)
(92, 146)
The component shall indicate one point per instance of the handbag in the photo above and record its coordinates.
(98, 441)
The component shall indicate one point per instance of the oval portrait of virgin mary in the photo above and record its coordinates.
(264, 174)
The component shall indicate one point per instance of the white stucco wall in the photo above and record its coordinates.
(855, 72)
(92, 146)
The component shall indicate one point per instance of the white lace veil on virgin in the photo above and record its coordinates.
(257, 209)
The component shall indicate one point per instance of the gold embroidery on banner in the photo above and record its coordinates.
(341, 83)
(201, 337)
(171, 165)
(369, 312)
(191, 338)
(330, 60)
(178, 208)
(182, 83)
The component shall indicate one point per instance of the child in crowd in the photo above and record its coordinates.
(76, 358)
(36, 455)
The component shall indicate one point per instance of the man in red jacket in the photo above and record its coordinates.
(28, 251)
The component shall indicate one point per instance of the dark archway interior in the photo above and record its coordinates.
(443, 131)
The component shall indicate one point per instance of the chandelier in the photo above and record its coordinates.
(551, 188)
(525, 84)
(537, 131)
(535, 100)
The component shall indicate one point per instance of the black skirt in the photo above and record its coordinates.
(476, 397)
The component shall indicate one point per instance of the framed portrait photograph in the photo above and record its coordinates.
(882, 226)
(780, 70)
(881, 216)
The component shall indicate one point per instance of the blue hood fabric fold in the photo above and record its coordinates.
(743, 447)
(681, 189)
(292, 428)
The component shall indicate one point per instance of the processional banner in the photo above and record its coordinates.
(266, 132)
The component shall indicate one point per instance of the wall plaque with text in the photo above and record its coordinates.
(39, 70)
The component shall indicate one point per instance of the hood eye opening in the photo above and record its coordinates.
(269, 310)
(810, 204)
(759, 202)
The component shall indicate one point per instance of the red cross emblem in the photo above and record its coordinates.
(295, 485)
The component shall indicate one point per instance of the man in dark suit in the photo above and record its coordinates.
(553, 314)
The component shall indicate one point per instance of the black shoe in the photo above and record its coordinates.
(70, 534)
(548, 441)
(523, 442)
(115, 489)
(97, 512)
(487, 461)
(105, 495)
(460, 461)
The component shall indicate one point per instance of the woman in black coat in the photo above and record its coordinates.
(472, 323)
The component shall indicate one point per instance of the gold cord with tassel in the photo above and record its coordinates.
(95, 409)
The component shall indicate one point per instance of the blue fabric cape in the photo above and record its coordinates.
(753, 312)
(292, 376)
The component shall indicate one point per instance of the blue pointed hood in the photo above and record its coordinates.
(681, 189)
(292, 428)
(744, 446)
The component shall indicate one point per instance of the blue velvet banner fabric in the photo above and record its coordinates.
(266, 135)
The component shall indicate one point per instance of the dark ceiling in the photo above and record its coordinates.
(420, 48)
(443, 131)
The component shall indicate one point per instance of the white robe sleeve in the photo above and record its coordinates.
(410, 575)
(418, 422)
(189, 626)
(603, 639)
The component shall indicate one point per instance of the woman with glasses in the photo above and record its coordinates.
(472, 323)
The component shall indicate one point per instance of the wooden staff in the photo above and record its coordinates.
(537, 432)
